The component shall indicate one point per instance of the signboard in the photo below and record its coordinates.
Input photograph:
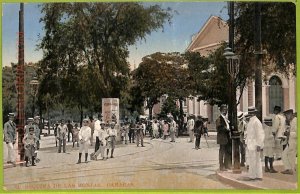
(110, 113)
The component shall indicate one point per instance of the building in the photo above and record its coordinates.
(277, 88)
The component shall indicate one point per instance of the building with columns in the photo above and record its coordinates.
(277, 88)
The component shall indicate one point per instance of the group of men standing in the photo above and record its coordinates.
(30, 140)
(274, 137)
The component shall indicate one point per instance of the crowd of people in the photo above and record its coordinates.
(274, 138)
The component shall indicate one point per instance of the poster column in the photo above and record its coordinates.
(110, 113)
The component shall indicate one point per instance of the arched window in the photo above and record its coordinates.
(275, 93)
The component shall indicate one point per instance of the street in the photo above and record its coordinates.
(159, 165)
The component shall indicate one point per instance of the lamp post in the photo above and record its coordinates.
(233, 64)
(34, 85)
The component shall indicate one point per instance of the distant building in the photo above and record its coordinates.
(277, 88)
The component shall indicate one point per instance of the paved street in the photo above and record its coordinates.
(159, 165)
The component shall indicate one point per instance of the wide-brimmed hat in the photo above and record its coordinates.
(102, 123)
(30, 119)
(11, 115)
(289, 111)
(267, 120)
(252, 110)
(86, 119)
(37, 117)
(240, 115)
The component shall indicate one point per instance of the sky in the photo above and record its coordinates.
(190, 17)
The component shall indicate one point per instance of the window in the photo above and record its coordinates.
(275, 93)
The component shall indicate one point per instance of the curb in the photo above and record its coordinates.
(235, 183)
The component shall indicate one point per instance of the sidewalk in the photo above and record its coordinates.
(270, 180)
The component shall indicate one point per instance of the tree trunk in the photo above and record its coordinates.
(81, 114)
(258, 67)
(180, 130)
(48, 120)
(150, 112)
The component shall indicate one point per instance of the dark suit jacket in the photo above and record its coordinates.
(222, 132)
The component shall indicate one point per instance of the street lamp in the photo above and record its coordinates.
(34, 85)
(233, 65)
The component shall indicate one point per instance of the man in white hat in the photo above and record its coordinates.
(29, 124)
(29, 142)
(62, 131)
(111, 139)
(139, 133)
(269, 145)
(10, 137)
(190, 128)
(241, 128)
(103, 137)
(279, 128)
(84, 139)
(172, 129)
(255, 143)
(290, 151)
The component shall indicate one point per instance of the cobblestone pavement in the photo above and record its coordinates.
(159, 165)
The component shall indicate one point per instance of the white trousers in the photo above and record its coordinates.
(255, 166)
(102, 151)
(191, 133)
(289, 157)
(11, 152)
(84, 147)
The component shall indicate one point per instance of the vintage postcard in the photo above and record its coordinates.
(149, 95)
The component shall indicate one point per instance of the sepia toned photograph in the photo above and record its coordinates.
(149, 96)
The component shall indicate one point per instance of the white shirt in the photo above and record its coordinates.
(255, 134)
(173, 126)
(293, 133)
(97, 127)
(155, 126)
(102, 135)
(190, 124)
(85, 133)
(226, 121)
(111, 132)
(279, 125)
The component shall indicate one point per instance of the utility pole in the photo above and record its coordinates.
(20, 85)
(258, 62)
(232, 107)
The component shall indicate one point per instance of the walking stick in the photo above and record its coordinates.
(206, 141)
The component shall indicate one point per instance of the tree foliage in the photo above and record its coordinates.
(85, 48)
(211, 77)
(278, 33)
(163, 73)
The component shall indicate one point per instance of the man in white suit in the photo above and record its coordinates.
(255, 143)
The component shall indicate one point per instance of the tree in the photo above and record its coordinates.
(9, 92)
(170, 106)
(85, 48)
(278, 33)
(164, 73)
(211, 77)
(97, 35)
